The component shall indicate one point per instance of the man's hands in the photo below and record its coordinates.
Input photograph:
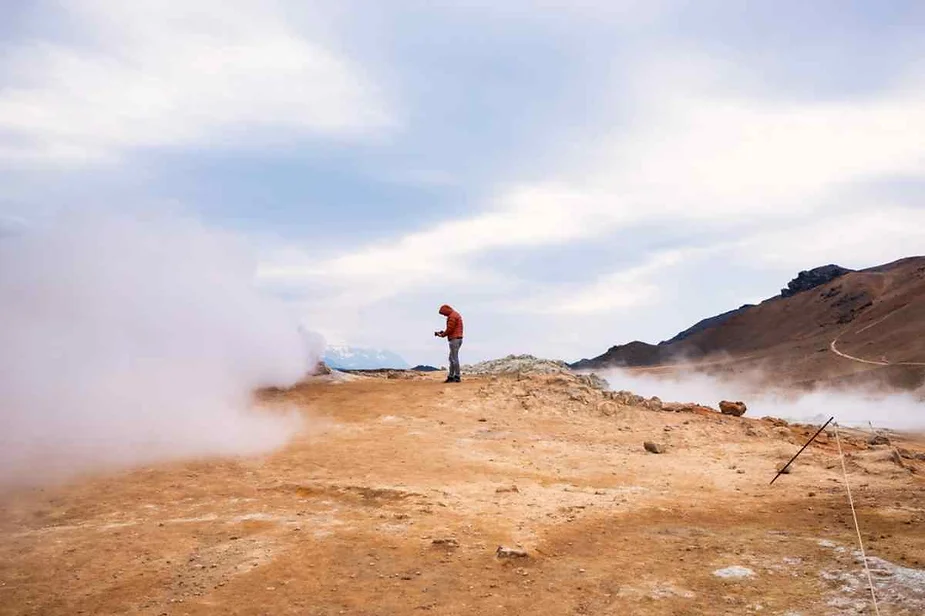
(440, 334)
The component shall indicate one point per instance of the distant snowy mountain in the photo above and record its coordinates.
(352, 358)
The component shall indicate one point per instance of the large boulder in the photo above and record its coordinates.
(736, 409)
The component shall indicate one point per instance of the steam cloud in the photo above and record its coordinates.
(129, 339)
(901, 411)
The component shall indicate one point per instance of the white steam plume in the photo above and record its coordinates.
(901, 411)
(129, 339)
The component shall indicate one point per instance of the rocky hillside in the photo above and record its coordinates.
(828, 323)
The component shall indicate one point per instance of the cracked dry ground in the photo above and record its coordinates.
(397, 494)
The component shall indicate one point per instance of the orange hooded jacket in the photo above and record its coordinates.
(454, 323)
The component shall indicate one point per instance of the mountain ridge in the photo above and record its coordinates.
(346, 357)
(789, 335)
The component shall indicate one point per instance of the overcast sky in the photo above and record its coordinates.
(569, 175)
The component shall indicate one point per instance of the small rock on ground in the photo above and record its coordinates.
(503, 552)
(734, 572)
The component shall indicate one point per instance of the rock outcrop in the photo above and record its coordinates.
(628, 398)
(321, 368)
(810, 279)
(527, 364)
(687, 407)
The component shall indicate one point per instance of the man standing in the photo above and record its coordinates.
(453, 333)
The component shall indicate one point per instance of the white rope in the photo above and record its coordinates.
(857, 528)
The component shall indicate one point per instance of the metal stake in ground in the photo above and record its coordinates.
(784, 468)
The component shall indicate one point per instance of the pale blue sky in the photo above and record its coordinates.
(570, 175)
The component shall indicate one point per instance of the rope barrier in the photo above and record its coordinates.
(857, 528)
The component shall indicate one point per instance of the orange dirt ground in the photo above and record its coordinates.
(397, 494)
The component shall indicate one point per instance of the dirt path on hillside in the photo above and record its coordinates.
(397, 495)
(883, 362)
(835, 350)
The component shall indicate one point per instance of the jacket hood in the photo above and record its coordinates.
(446, 309)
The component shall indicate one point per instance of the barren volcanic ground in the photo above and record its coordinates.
(398, 493)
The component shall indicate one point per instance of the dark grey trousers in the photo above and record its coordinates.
(454, 357)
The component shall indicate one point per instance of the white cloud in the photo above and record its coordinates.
(856, 239)
(697, 152)
(151, 73)
(634, 13)
(715, 157)
(422, 177)
(625, 289)
(526, 218)
(879, 234)
(706, 144)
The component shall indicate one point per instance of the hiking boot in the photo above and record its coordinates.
(456, 379)
(449, 379)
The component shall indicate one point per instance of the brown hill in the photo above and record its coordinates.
(838, 325)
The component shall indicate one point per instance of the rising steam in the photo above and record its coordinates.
(127, 339)
(902, 411)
